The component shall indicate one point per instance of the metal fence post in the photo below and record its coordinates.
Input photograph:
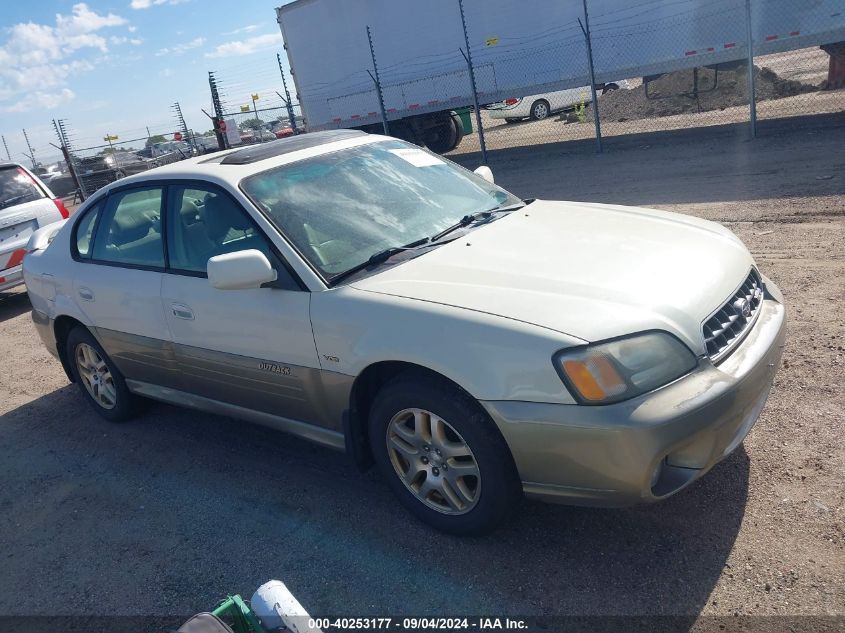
(222, 142)
(468, 58)
(585, 28)
(377, 82)
(288, 104)
(61, 133)
(8, 155)
(752, 98)
(31, 151)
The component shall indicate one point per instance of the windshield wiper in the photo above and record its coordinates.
(379, 258)
(475, 217)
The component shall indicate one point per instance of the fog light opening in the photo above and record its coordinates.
(655, 476)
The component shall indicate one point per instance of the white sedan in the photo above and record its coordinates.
(375, 298)
(542, 106)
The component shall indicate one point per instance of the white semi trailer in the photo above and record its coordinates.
(519, 47)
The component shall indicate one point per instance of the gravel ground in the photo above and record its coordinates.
(167, 514)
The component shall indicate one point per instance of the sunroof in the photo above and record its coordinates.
(255, 153)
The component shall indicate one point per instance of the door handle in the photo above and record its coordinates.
(86, 294)
(181, 311)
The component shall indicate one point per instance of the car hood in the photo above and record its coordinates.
(591, 271)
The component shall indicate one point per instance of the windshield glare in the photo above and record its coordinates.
(340, 208)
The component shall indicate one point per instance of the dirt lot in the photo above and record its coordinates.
(167, 514)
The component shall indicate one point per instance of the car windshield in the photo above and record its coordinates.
(17, 187)
(340, 208)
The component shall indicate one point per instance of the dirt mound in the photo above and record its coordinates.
(673, 93)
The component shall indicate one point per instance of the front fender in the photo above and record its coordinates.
(491, 357)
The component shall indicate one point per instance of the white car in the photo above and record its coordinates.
(542, 106)
(368, 295)
(26, 204)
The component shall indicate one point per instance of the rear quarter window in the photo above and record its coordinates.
(17, 187)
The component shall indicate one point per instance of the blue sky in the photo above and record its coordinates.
(117, 66)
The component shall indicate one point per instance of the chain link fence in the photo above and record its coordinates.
(95, 161)
(644, 67)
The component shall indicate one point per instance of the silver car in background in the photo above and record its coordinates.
(26, 205)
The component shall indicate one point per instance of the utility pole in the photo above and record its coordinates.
(468, 58)
(377, 82)
(288, 104)
(31, 151)
(8, 155)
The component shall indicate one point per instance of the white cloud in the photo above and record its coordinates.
(247, 46)
(146, 4)
(178, 49)
(136, 41)
(249, 28)
(132, 29)
(34, 57)
(40, 100)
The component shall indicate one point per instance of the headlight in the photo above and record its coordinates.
(610, 371)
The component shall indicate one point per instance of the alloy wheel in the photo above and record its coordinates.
(541, 110)
(95, 375)
(433, 461)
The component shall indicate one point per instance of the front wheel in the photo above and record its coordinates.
(442, 455)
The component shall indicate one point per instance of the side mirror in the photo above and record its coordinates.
(485, 172)
(240, 270)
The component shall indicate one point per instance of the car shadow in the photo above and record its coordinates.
(172, 511)
(13, 303)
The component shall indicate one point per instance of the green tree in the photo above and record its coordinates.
(157, 138)
(251, 124)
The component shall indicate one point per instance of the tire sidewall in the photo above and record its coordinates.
(501, 490)
(124, 407)
(534, 107)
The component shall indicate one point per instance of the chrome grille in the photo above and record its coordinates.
(728, 326)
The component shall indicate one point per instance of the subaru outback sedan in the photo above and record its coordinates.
(370, 296)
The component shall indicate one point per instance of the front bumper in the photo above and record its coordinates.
(650, 447)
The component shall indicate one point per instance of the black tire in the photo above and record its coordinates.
(459, 130)
(512, 120)
(499, 488)
(442, 138)
(126, 404)
(540, 110)
(609, 88)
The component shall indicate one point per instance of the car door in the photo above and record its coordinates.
(251, 348)
(117, 273)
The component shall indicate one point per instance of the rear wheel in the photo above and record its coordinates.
(442, 455)
(540, 110)
(100, 382)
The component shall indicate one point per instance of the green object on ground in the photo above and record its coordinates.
(237, 614)
(466, 118)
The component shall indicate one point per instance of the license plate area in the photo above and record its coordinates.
(17, 232)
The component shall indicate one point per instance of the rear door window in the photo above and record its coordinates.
(130, 229)
(17, 187)
(85, 232)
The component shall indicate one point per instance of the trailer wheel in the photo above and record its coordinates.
(459, 130)
(442, 138)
